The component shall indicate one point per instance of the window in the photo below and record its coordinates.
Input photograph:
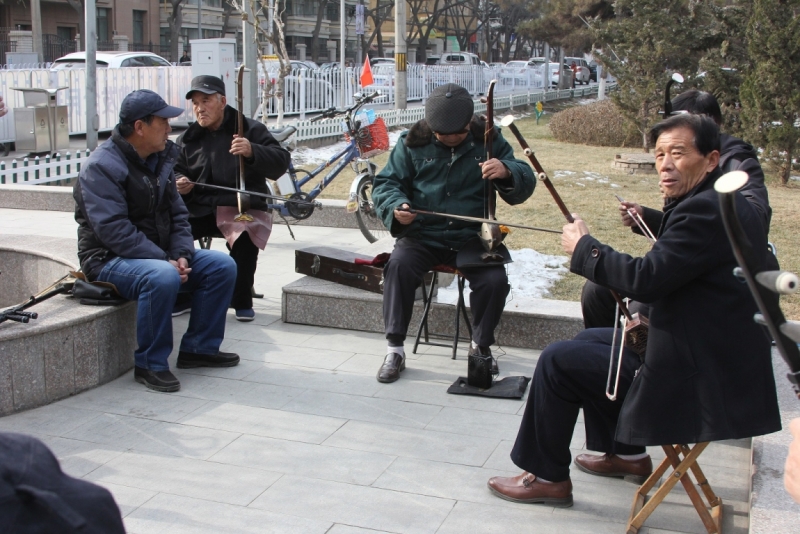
(65, 33)
(103, 17)
(138, 26)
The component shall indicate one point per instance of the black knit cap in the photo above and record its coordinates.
(449, 109)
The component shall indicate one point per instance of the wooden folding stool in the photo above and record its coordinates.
(461, 310)
(642, 506)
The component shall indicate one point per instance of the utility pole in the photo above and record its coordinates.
(400, 56)
(199, 19)
(341, 52)
(92, 120)
(250, 57)
(36, 28)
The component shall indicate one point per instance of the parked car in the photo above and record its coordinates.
(556, 73)
(593, 71)
(303, 64)
(535, 61)
(111, 60)
(518, 72)
(319, 93)
(381, 61)
(583, 73)
(459, 58)
(433, 60)
(328, 66)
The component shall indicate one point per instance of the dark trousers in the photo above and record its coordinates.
(243, 252)
(598, 306)
(409, 262)
(571, 375)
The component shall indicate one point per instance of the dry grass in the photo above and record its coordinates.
(589, 190)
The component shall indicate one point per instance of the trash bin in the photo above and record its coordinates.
(42, 125)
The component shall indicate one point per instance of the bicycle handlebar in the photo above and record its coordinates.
(332, 111)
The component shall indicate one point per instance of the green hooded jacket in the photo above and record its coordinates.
(430, 176)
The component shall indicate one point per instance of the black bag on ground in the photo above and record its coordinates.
(479, 371)
(36, 497)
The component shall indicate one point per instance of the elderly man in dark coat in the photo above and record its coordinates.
(210, 150)
(597, 304)
(706, 374)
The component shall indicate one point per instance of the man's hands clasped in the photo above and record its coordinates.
(182, 266)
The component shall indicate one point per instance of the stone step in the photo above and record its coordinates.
(526, 323)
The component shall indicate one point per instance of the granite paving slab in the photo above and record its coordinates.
(301, 438)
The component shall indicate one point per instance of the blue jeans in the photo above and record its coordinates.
(155, 285)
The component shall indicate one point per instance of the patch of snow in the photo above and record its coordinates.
(314, 156)
(531, 275)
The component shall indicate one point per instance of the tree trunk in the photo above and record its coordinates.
(786, 171)
(323, 4)
(77, 5)
(175, 21)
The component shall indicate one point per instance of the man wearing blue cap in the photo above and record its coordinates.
(134, 233)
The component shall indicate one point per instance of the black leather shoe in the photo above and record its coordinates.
(163, 381)
(392, 365)
(189, 360)
(484, 351)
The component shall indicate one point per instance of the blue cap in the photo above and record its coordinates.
(141, 103)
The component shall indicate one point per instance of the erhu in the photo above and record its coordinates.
(491, 233)
(242, 198)
(634, 326)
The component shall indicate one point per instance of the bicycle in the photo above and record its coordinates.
(364, 142)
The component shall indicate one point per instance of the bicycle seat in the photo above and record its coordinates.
(282, 134)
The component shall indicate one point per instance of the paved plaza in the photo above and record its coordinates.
(301, 438)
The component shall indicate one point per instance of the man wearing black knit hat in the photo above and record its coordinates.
(440, 165)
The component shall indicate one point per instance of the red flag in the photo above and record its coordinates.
(366, 74)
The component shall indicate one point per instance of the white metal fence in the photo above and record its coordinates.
(61, 169)
(306, 91)
(54, 170)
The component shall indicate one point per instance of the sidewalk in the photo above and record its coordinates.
(301, 438)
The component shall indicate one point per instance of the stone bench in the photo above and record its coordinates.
(70, 347)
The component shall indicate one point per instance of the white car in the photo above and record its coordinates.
(583, 74)
(111, 60)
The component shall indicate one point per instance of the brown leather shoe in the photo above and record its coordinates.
(611, 465)
(392, 365)
(526, 489)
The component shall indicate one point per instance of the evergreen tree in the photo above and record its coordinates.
(645, 43)
(771, 88)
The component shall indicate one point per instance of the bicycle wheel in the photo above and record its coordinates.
(368, 222)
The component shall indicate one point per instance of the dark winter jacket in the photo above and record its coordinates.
(431, 176)
(707, 373)
(125, 209)
(205, 158)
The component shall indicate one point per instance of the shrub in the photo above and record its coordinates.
(598, 124)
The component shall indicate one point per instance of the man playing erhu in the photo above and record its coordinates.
(706, 374)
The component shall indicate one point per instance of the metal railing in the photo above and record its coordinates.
(53, 170)
(308, 92)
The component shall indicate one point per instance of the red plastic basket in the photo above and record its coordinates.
(373, 139)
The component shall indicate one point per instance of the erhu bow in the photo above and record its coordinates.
(491, 234)
(762, 284)
(634, 325)
(242, 198)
